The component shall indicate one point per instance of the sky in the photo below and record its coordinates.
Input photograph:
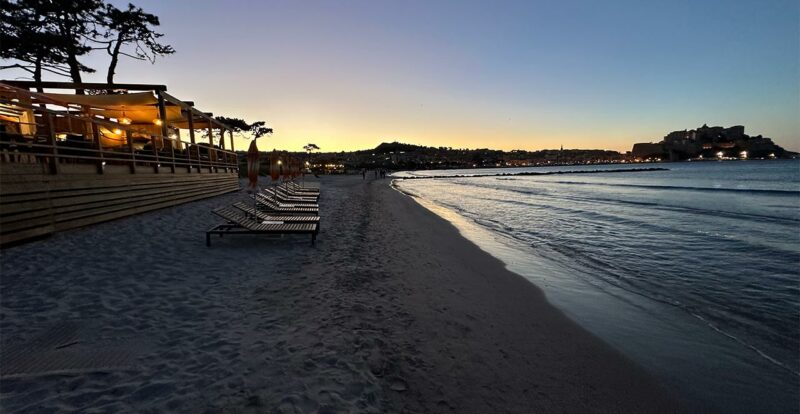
(527, 74)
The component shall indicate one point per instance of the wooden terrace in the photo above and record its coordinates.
(69, 160)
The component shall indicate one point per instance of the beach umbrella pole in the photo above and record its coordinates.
(252, 173)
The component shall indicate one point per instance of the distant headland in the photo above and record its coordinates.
(710, 143)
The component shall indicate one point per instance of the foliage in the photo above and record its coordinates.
(386, 147)
(46, 35)
(51, 36)
(257, 129)
(133, 27)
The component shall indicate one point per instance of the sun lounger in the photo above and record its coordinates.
(238, 223)
(300, 189)
(288, 192)
(266, 203)
(283, 197)
(294, 191)
(283, 202)
(261, 216)
(290, 196)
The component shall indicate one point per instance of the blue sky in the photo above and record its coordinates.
(506, 74)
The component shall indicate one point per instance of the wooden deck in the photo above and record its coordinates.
(34, 203)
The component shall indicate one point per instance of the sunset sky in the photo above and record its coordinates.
(508, 74)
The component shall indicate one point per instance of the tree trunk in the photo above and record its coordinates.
(74, 70)
(112, 67)
(65, 25)
(37, 72)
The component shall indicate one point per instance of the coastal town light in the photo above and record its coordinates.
(720, 154)
(743, 154)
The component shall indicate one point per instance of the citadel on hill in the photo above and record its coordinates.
(709, 143)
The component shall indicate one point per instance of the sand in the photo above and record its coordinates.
(391, 311)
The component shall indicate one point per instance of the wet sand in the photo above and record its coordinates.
(391, 311)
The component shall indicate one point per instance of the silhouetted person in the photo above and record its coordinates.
(363, 173)
(376, 174)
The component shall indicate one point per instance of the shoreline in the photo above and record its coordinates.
(710, 369)
(392, 311)
(515, 299)
(532, 173)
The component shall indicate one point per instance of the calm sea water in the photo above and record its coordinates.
(692, 272)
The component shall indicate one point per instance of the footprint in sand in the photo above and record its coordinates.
(398, 384)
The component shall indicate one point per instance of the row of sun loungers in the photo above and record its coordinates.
(284, 197)
(288, 209)
(302, 190)
(264, 216)
(268, 203)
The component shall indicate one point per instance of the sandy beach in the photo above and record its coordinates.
(391, 311)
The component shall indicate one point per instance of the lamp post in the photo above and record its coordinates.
(280, 180)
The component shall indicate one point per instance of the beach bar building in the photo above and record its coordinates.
(69, 160)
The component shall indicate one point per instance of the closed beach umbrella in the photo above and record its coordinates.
(252, 166)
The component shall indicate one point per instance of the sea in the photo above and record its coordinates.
(693, 271)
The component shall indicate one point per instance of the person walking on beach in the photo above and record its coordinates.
(363, 173)
(376, 174)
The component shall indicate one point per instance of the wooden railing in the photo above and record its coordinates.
(139, 150)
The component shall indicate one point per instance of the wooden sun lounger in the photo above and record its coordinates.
(288, 192)
(261, 216)
(298, 193)
(238, 223)
(300, 189)
(268, 204)
(284, 202)
(272, 199)
(285, 198)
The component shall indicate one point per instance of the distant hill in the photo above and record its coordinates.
(390, 147)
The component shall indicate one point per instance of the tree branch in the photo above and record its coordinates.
(17, 66)
(131, 56)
